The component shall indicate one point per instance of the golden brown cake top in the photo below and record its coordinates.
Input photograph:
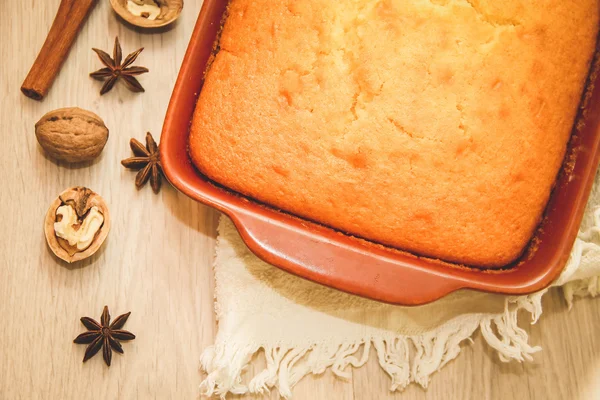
(434, 126)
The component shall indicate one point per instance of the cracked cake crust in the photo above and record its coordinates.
(434, 126)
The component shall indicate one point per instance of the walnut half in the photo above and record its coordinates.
(76, 224)
(148, 13)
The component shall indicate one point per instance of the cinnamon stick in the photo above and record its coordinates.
(69, 18)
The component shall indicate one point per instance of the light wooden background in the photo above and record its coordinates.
(156, 261)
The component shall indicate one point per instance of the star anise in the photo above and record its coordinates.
(147, 159)
(104, 335)
(115, 70)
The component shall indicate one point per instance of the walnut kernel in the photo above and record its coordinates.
(76, 224)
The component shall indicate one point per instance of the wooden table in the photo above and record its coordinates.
(157, 260)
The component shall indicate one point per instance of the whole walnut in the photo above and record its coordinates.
(71, 134)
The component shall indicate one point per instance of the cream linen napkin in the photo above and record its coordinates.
(305, 328)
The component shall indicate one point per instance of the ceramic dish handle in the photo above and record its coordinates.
(329, 261)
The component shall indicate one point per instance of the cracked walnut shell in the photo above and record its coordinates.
(148, 13)
(76, 224)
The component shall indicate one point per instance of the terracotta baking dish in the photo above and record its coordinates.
(354, 265)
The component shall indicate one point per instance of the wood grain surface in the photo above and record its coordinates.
(156, 262)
